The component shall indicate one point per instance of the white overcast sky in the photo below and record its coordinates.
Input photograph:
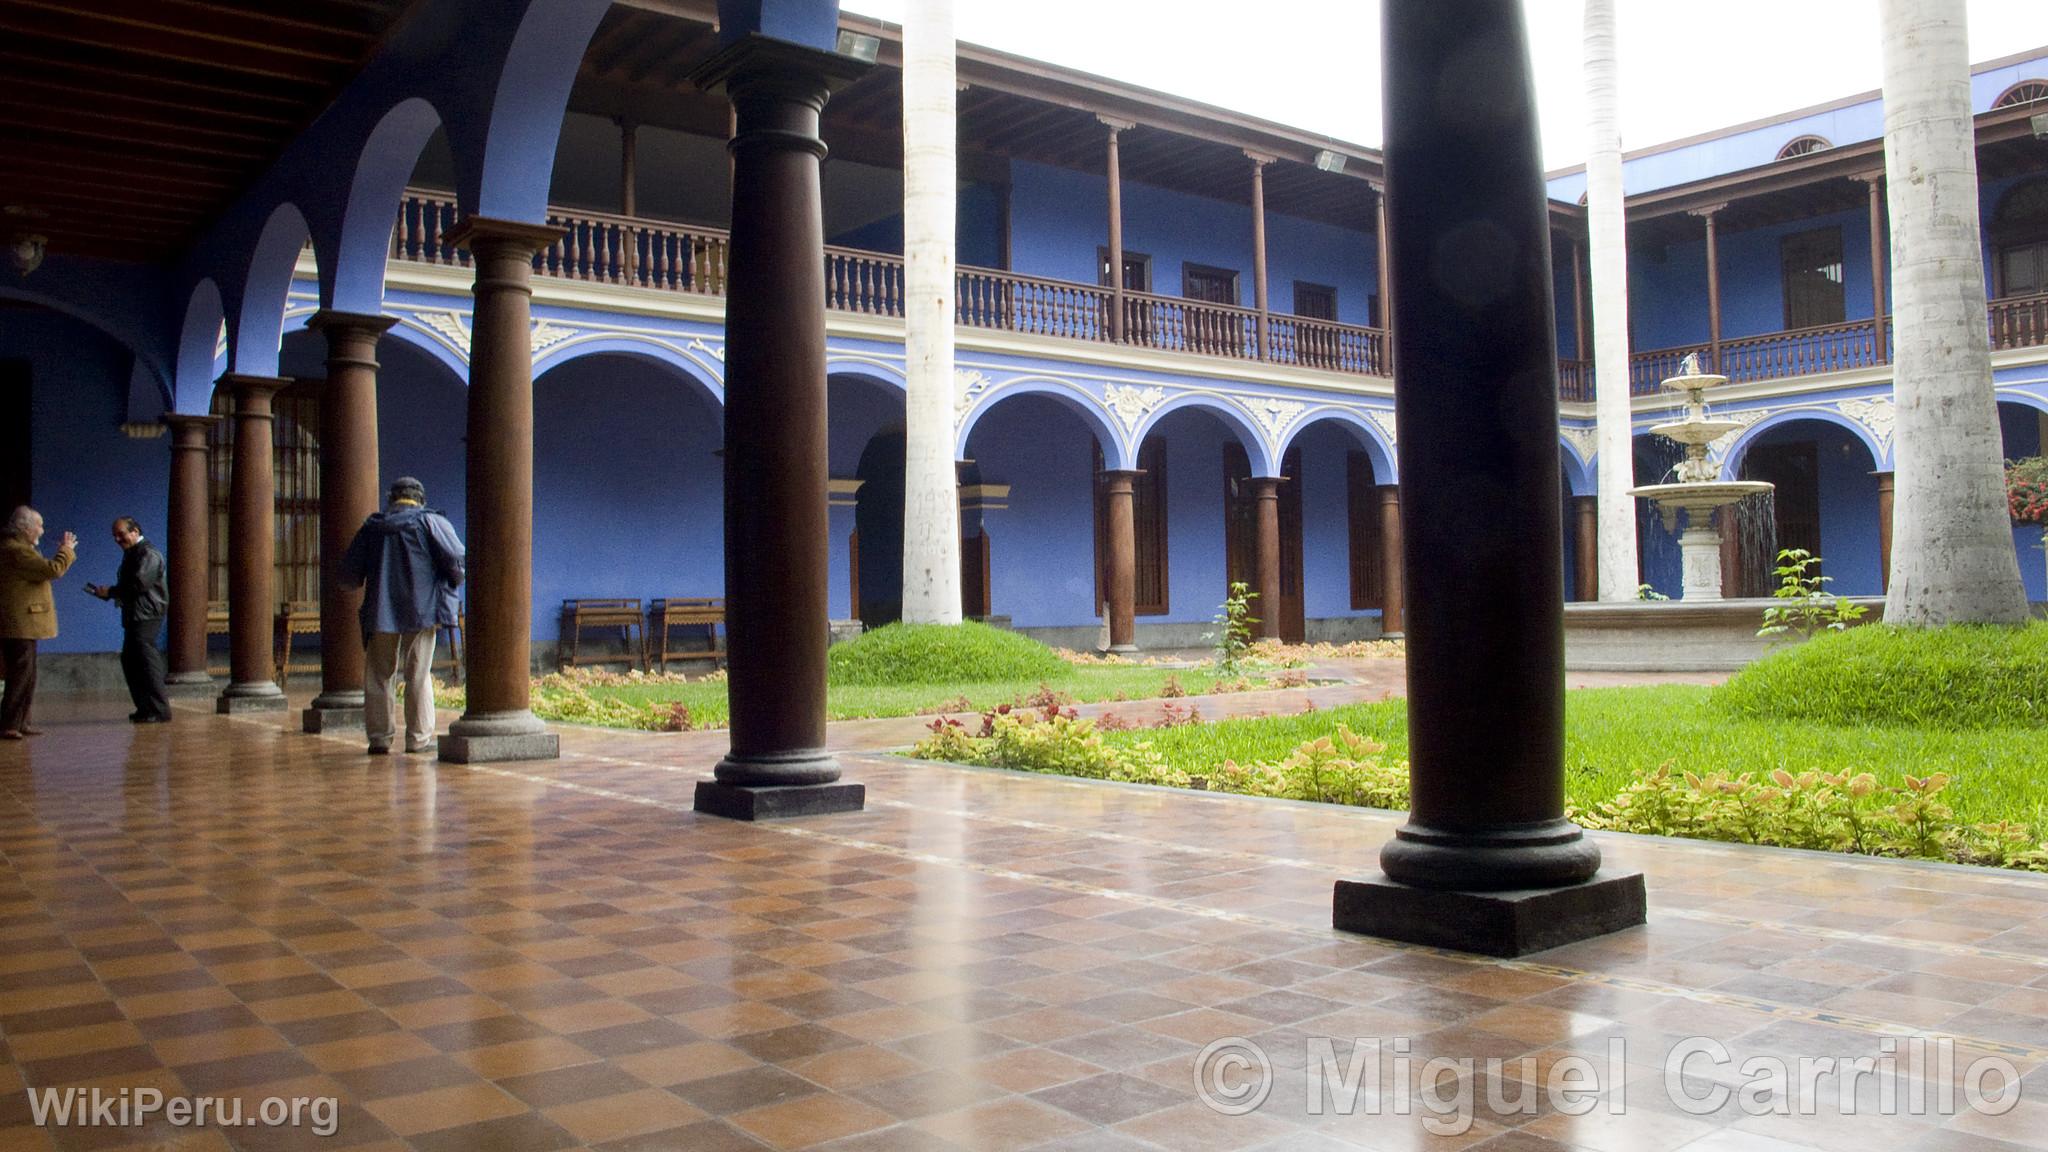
(1686, 66)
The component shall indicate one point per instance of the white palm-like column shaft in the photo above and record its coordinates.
(1607, 247)
(1952, 552)
(931, 502)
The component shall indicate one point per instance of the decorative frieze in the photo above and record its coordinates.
(1132, 403)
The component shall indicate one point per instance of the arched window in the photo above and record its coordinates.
(1800, 146)
(2024, 92)
(295, 463)
(2019, 241)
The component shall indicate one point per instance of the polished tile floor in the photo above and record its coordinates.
(561, 954)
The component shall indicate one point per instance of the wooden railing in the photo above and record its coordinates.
(2019, 322)
(686, 258)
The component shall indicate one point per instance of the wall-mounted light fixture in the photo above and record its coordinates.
(25, 248)
(2040, 122)
(1328, 161)
(859, 45)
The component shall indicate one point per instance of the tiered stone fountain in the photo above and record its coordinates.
(1697, 491)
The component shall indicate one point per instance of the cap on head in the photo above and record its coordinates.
(407, 488)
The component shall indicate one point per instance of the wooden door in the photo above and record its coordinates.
(1241, 538)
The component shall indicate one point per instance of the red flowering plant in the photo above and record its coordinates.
(2026, 489)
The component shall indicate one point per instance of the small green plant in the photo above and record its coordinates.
(1234, 624)
(1805, 606)
(1646, 592)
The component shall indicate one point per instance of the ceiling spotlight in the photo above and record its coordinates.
(859, 45)
(1328, 161)
(25, 249)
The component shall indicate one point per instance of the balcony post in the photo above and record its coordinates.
(1880, 347)
(1259, 163)
(186, 549)
(1386, 285)
(1713, 285)
(629, 197)
(1884, 531)
(1579, 303)
(252, 549)
(1487, 861)
(1116, 229)
(1120, 591)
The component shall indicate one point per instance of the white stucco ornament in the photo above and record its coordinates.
(547, 335)
(1273, 414)
(449, 327)
(697, 344)
(1746, 417)
(1878, 414)
(1132, 403)
(1384, 419)
(968, 387)
(1584, 441)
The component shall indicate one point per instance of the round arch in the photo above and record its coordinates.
(1731, 461)
(636, 347)
(166, 387)
(257, 323)
(1371, 437)
(1578, 471)
(199, 338)
(1255, 449)
(1117, 453)
(355, 280)
(2023, 399)
(410, 331)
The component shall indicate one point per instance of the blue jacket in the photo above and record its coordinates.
(408, 560)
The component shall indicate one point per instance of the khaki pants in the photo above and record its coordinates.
(388, 655)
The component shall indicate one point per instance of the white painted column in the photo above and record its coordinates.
(931, 501)
(1607, 245)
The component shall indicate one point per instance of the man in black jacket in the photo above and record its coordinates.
(141, 591)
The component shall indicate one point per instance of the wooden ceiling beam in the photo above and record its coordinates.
(51, 123)
(37, 54)
(94, 109)
(65, 28)
(105, 20)
(80, 95)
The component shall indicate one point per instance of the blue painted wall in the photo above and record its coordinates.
(1668, 286)
(85, 472)
(627, 493)
(857, 407)
(1848, 503)
(1041, 547)
(1058, 218)
(1326, 522)
(2020, 427)
(978, 229)
(1196, 576)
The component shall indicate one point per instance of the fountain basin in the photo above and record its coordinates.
(1674, 635)
(1700, 496)
(1696, 431)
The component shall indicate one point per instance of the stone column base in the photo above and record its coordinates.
(497, 736)
(1507, 924)
(332, 718)
(190, 684)
(236, 699)
(778, 802)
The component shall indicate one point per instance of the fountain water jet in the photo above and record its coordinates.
(1697, 492)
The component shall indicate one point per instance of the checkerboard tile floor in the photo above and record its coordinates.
(561, 954)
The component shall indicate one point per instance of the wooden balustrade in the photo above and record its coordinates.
(684, 258)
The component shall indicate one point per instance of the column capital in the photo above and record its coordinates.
(1707, 212)
(1873, 178)
(1115, 125)
(764, 65)
(189, 421)
(488, 231)
(1259, 159)
(1267, 487)
(336, 322)
(248, 386)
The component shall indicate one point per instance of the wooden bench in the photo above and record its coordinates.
(448, 647)
(216, 625)
(673, 612)
(295, 618)
(624, 615)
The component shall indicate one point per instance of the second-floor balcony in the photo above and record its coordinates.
(656, 254)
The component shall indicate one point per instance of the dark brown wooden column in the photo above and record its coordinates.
(1266, 491)
(1884, 531)
(1259, 163)
(252, 550)
(776, 551)
(348, 495)
(1713, 286)
(1116, 229)
(498, 533)
(1579, 304)
(1487, 861)
(1878, 246)
(1393, 604)
(1586, 547)
(1379, 195)
(185, 555)
(629, 194)
(1120, 591)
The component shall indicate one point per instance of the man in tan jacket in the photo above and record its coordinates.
(28, 613)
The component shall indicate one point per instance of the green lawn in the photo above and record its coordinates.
(1615, 735)
(1084, 683)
